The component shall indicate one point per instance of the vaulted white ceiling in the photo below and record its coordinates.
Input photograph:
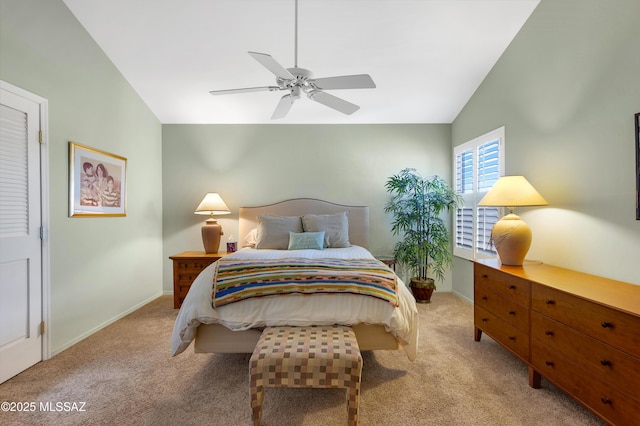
(427, 57)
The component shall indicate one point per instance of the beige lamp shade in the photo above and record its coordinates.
(211, 205)
(511, 235)
(512, 191)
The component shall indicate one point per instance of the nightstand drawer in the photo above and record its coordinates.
(186, 268)
(182, 287)
(608, 325)
(603, 361)
(503, 333)
(508, 286)
(187, 275)
(192, 265)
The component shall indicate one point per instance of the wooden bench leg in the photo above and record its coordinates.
(353, 403)
(257, 393)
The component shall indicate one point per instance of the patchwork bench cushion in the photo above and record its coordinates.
(315, 357)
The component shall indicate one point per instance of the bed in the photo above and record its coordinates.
(236, 327)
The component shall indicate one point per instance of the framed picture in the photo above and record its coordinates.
(97, 182)
(638, 166)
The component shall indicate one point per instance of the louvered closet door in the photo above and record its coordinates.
(20, 243)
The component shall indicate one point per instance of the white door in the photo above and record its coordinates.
(20, 235)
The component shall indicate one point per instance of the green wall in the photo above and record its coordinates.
(566, 90)
(260, 164)
(101, 268)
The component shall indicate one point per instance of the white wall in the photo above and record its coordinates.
(567, 90)
(261, 164)
(101, 268)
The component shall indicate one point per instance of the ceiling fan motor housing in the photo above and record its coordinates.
(302, 77)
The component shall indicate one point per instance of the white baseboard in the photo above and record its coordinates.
(462, 297)
(104, 324)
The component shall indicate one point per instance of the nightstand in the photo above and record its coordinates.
(186, 267)
(391, 263)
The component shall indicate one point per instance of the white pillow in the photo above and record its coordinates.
(273, 231)
(335, 227)
(251, 238)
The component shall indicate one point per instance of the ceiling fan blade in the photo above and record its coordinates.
(272, 65)
(359, 81)
(283, 107)
(245, 90)
(333, 102)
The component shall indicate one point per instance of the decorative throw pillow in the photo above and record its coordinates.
(273, 231)
(251, 238)
(306, 240)
(335, 227)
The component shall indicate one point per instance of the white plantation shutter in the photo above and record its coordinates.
(488, 165)
(464, 172)
(487, 217)
(478, 166)
(14, 166)
(464, 228)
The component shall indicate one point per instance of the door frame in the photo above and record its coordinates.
(44, 210)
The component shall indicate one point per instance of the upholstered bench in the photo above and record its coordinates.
(306, 357)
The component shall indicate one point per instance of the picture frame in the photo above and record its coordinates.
(97, 182)
(637, 132)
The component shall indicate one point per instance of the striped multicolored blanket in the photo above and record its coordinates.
(238, 279)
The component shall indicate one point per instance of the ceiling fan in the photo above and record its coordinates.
(299, 80)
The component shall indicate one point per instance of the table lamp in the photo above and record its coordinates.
(211, 205)
(511, 235)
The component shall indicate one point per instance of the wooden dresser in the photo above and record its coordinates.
(579, 331)
(186, 267)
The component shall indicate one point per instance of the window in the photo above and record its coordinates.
(478, 165)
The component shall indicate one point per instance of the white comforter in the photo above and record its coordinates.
(296, 310)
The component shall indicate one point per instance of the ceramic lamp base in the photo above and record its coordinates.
(211, 232)
(512, 239)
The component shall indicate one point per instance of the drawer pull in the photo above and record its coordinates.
(512, 287)
(605, 324)
(605, 363)
(484, 298)
(549, 363)
(549, 333)
(485, 276)
(512, 313)
(606, 401)
(485, 319)
(550, 302)
(512, 338)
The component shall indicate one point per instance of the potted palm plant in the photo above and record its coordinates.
(416, 205)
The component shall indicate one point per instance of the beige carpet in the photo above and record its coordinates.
(126, 376)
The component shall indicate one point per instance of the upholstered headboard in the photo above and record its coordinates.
(358, 216)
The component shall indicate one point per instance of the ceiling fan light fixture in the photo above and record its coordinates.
(295, 79)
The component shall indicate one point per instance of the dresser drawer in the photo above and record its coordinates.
(508, 336)
(509, 286)
(603, 361)
(608, 402)
(505, 309)
(608, 325)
